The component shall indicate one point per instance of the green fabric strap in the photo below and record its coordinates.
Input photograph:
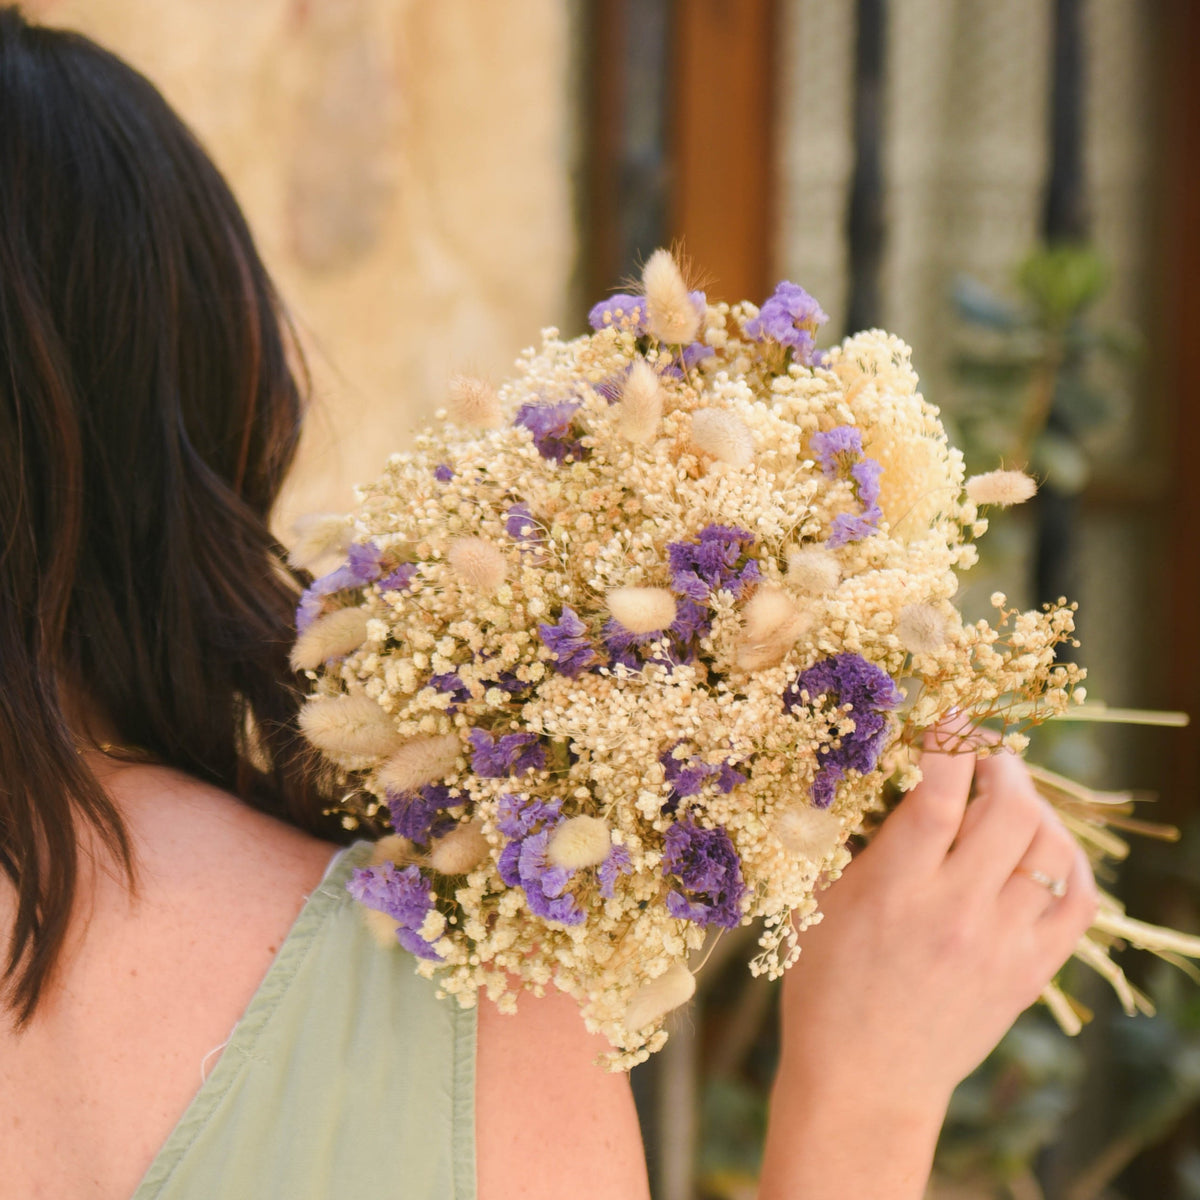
(346, 1077)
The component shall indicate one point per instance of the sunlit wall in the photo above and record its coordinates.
(403, 165)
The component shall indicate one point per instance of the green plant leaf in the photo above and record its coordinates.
(1062, 280)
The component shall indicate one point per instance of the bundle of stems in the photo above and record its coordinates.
(1098, 820)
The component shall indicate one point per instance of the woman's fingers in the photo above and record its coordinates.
(926, 822)
(1040, 880)
(1004, 819)
(1072, 916)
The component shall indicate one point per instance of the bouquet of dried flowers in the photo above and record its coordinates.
(625, 650)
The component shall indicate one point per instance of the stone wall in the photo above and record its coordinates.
(404, 165)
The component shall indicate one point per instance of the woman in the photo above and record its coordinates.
(168, 864)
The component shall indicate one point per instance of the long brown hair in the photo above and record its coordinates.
(148, 413)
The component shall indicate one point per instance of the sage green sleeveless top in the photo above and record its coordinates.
(345, 1078)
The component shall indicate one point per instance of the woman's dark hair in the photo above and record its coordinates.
(148, 414)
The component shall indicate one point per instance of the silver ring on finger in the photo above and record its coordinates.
(1056, 887)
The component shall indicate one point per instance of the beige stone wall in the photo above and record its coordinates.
(404, 165)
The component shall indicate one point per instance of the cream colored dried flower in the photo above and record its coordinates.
(676, 986)
(473, 403)
(579, 842)
(671, 315)
(722, 434)
(1000, 487)
(641, 404)
(381, 926)
(331, 636)
(317, 536)
(348, 727)
(813, 569)
(808, 833)
(642, 609)
(419, 761)
(772, 623)
(393, 848)
(478, 563)
(921, 628)
(459, 851)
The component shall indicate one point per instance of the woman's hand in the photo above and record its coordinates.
(937, 936)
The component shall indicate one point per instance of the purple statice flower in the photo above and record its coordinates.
(420, 815)
(519, 523)
(716, 558)
(569, 644)
(708, 886)
(552, 428)
(866, 475)
(712, 560)
(687, 776)
(509, 754)
(309, 609)
(617, 863)
(518, 815)
(452, 682)
(697, 352)
(847, 679)
(789, 316)
(507, 681)
(853, 527)
(545, 885)
(837, 450)
(362, 563)
(400, 579)
(840, 455)
(404, 894)
(443, 473)
(528, 823)
(728, 777)
(361, 567)
(634, 650)
(623, 310)
(691, 622)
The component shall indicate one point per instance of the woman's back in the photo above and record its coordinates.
(150, 988)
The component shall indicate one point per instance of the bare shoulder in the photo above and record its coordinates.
(218, 887)
(185, 831)
(151, 986)
(549, 1122)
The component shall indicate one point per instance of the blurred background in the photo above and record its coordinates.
(1010, 185)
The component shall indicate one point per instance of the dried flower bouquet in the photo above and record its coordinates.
(625, 651)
